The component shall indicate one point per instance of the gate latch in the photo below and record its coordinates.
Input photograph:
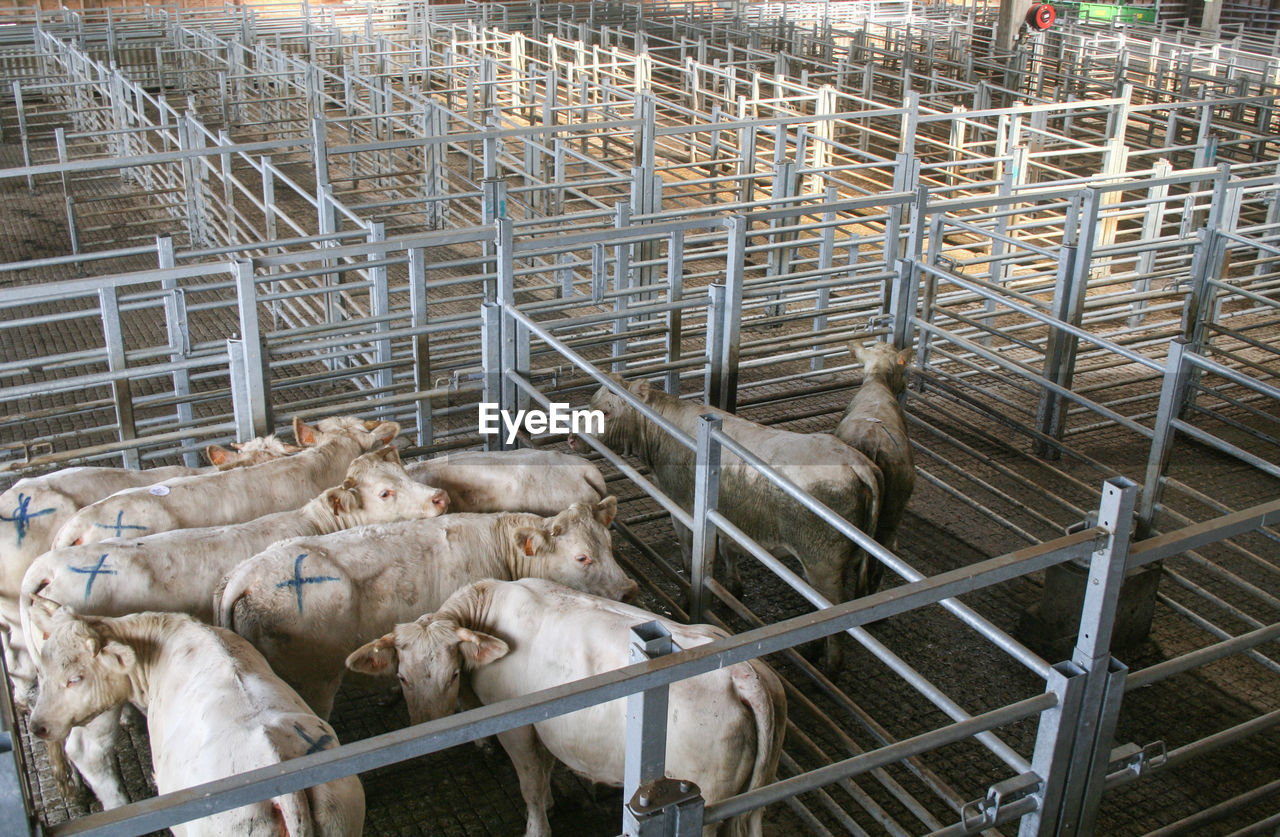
(676, 803)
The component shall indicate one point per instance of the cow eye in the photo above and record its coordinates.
(454, 676)
(403, 679)
(583, 559)
(386, 492)
(74, 679)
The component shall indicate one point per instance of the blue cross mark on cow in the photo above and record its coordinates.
(299, 579)
(314, 745)
(119, 526)
(93, 572)
(22, 514)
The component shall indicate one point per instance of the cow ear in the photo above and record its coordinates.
(641, 389)
(45, 613)
(218, 456)
(117, 657)
(341, 500)
(531, 541)
(606, 510)
(904, 356)
(479, 649)
(385, 431)
(855, 349)
(376, 658)
(388, 453)
(305, 435)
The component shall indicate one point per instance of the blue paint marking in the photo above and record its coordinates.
(315, 745)
(298, 579)
(22, 515)
(119, 526)
(93, 572)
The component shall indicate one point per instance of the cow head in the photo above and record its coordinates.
(370, 434)
(428, 656)
(884, 361)
(574, 549)
(82, 672)
(244, 454)
(379, 490)
(623, 423)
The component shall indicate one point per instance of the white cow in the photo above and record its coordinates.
(875, 425)
(307, 603)
(214, 708)
(232, 496)
(526, 480)
(36, 507)
(179, 570)
(725, 728)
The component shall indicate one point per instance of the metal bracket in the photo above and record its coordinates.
(979, 814)
(1130, 758)
(1090, 521)
(676, 802)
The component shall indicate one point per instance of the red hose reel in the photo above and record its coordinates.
(1041, 16)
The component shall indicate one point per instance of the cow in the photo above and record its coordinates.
(179, 571)
(36, 507)
(512, 638)
(214, 708)
(232, 496)
(874, 424)
(829, 470)
(541, 482)
(307, 603)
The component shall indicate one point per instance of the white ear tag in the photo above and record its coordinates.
(159, 490)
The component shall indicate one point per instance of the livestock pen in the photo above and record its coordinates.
(404, 212)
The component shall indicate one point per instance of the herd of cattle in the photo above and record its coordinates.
(227, 603)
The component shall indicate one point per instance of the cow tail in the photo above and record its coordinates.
(759, 688)
(869, 570)
(292, 814)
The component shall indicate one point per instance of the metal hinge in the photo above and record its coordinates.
(1130, 758)
(983, 813)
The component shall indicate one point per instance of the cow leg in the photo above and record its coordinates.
(533, 763)
(826, 572)
(91, 748)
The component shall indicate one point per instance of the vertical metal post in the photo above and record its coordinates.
(621, 286)
(1052, 755)
(1068, 307)
(380, 310)
(493, 206)
(491, 360)
(175, 317)
(655, 806)
(419, 318)
(257, 405)
(121, 391)
(506, 299)
(785, 181)
(726, 396)
(22, 132)
(706, 497)
(1104, 676)
(675, 317)
(826, 257)
(1173, 393)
